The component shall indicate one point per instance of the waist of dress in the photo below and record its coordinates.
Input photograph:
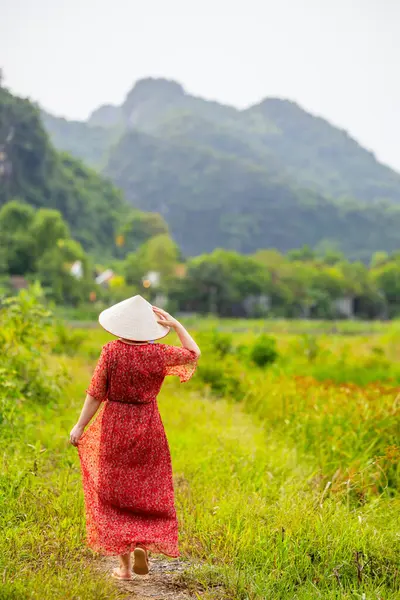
(134, 402)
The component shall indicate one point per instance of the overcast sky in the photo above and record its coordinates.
(339, 59)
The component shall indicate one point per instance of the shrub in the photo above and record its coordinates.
(242, 351)
(67, 341)
(26, 339)
(222, 343)
(310, 347)
(222, 378)
(214, 342)
(264, 351)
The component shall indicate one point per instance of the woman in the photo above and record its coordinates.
(124, 453)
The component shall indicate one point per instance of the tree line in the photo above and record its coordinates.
(55, 212)
(37, 244)
(268, 283)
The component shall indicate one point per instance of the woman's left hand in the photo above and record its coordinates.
(76, 434)
(164, 318)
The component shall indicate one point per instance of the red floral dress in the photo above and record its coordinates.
(124, 453)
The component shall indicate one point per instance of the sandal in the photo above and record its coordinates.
(117, 575)
(141, 562)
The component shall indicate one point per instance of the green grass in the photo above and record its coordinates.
(252, 507)
(288, 326)
(41, 510)
(87, 317)
(275, 493)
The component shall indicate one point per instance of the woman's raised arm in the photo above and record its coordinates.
(185, 338)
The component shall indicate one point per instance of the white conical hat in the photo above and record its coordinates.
(132, 319)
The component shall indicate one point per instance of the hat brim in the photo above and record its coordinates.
(155, 334)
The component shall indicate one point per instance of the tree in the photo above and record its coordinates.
(133, 269)
(138, 227)
(54, 271)
(16, 241)
(302, 254)
(159, 253)
(31, 169)
(38, 242)
(16, 216)
(47, 228)
(387, 278)
(378, 259)
(220, 282)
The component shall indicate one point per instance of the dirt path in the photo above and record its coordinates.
(164, 581)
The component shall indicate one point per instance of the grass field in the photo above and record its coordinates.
(287, 478)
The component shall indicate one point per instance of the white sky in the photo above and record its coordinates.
(338, 58)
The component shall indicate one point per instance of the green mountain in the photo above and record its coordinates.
(271, 175)
(239, 206)
(88, 143)
(324, 157)
(33, 171)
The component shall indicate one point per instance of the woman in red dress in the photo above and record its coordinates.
(124, 453)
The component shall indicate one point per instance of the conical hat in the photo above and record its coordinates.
(132, 319)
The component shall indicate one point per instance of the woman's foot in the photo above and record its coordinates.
(141, 561)
(120, 573)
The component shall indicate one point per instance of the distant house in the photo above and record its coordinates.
(257, 305)
(180, 270)
(77, 269)
(105, 277)
(344, 307)
(161, 300)
(17, 282)
(153, 277)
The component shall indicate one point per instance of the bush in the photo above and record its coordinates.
(264, 351)
(214, 342)
(222, 378)
(242, 351)
(222, 343)
(26, 339)
(310, 347)
(67, 341)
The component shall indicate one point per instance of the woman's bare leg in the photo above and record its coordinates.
(125, 569)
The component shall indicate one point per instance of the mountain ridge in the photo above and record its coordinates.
(272, 145)
(33, 171)
(153, 82)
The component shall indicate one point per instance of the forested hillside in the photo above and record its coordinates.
(239, 206)
(88, 143)
(33, 172)
(269, 176)
(325, 158)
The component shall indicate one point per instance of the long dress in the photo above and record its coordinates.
(124, 453)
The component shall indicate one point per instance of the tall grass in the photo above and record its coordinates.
(41, 510)
(41, 518)
(291, 490)
(286, 477)
(253, 508)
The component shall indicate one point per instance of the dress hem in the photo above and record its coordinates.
(130, 548)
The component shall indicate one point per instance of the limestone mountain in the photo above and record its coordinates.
(31, 170)
(270, 175)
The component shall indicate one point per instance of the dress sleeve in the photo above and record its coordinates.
(179, 361)
(98, 387)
